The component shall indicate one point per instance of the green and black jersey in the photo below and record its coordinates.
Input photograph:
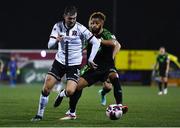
(104, 56)
(162, 61)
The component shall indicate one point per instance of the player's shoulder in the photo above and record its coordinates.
(159, 55)
(167, 56)
(106, 31)
(80, 26)
(60, 23)
(58, 26)
(164, 55)
(107, 34)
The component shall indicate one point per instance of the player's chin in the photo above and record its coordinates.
(71, 24)
(95, 31)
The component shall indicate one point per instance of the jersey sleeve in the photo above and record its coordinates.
(55, 31)
(86, 33)
(107, 35)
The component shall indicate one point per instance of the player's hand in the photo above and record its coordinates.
(92, 64)
(59, 38)
(153, 73)
(100, 40)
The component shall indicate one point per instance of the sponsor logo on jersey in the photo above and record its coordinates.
(74, 33)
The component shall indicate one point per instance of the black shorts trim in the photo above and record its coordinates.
(73, 80)
(113, 70)
(54, 75)
(58, 70)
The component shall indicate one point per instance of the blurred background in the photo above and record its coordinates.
(141, 26)
(137, 24)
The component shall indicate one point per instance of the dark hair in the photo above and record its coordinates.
(99, 15)
(70, 10)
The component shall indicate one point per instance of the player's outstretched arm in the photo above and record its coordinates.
(94, 50)
(167, 68)
(117, 47)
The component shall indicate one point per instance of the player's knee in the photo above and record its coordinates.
(69, 92)
(165, 79)
(113, 75)
(109, 87)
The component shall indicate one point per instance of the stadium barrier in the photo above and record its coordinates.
(134, 66)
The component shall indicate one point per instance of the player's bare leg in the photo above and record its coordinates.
(48, 85)
(165, 91)
(114, 78)
(68, 91)
(59, 85)
(107, 86)
(160, 86)
(71, 113)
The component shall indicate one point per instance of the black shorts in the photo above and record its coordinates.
(94, 75)
(162, 73)
(58, 70)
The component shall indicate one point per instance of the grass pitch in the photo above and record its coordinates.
(18, 105)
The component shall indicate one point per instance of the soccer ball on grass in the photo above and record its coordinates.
(114, 112)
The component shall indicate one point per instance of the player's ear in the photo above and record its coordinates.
(102, 23)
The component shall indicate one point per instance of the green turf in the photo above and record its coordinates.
(18, 105)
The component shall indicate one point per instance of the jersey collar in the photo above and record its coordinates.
(67, 27)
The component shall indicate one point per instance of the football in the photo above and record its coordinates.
(114, 112)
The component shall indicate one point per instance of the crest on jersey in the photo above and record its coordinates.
(74, 33)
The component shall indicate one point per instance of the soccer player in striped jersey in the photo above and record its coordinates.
(68, 35)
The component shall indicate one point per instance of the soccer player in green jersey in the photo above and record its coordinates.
(162, 64)
(105, 70)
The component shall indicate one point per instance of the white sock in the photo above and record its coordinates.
(42, 104)
(60, 86)
(63, 93)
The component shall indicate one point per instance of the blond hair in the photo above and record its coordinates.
(99, 15)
